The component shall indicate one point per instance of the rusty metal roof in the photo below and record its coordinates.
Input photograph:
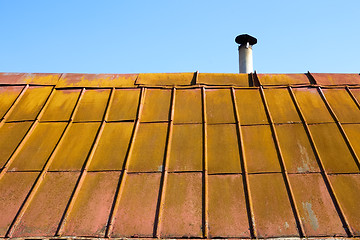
(179, 155)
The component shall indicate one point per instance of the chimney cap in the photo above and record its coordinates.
(245, 38)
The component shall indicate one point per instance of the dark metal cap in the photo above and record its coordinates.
(245, 38)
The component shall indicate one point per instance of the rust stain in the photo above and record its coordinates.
(283, 79)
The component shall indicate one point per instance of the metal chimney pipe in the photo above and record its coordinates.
(245, 42)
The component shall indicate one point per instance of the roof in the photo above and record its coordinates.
(194, 155)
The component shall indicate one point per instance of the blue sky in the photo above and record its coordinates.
(112, 36)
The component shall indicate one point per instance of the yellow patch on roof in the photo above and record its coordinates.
(166, 79)
(221, 79)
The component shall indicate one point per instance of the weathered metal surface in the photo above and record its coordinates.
(8, 96)
(273, 215)
(336, 79)
(186, 154)
(13, 189)
(149, 148)
(219, 106)
(182, 210)
(92, 207)
(312, 106)
(343, 105)
(297, 152)
(43, 215)
(347, 191)
(250, 106)
(10, 136)
(96, 80)
(353, 133)
(92, 105)
(223, 149)
(221, 79)
(356, 93)
(30, 104)
(316, 209)
(283, 79)
(75, 147)
(156, 105)
(281, 106)
(113, 146)
(227, 208)
(259, 148)
(29, 78)
(332, 148)
(124, 105)
(165, 79)
(188, 106)
(137, 210)
(38, 147)
(61, 105)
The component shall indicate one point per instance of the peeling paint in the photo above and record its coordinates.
(304, 157)
(311, 215)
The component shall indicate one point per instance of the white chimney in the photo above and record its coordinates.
(245, 42)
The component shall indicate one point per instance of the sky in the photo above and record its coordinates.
(117, 36)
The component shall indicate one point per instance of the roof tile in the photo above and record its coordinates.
(182, 215)
(30, 104)
(149, 148)
(188, 106)
(223, 149)
(156, 105)
(92, 207)
(137, 208)
(297, 151)
(124, 105)
(336, 78)
(250, 106)
(332, 148)
(281, 106)
(283, 79)
(10, 136)
(316, 209)
(259, 148)
(61, 105)
(219, 106)
(92, 105)
(96, 80)
(13, 189)
(273, 214)
(227, 207)
(8, 96)
(186, 151)
(111, 150)
(221, 79)
(163, 79)
(38, 147)
(74, 148)
(44, 213)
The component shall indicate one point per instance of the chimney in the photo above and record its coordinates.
(245, 42)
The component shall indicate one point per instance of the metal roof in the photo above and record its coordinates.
(194, 155)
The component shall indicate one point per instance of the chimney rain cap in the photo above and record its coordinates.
(245, 38)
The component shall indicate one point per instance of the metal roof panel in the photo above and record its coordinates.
(188, 106)
(8, 96)
(92, 105)
(234, 79)
(163, 79)
(219, 106)
(124, 105)
(336, 78)
(156, 105)
(283, 79)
